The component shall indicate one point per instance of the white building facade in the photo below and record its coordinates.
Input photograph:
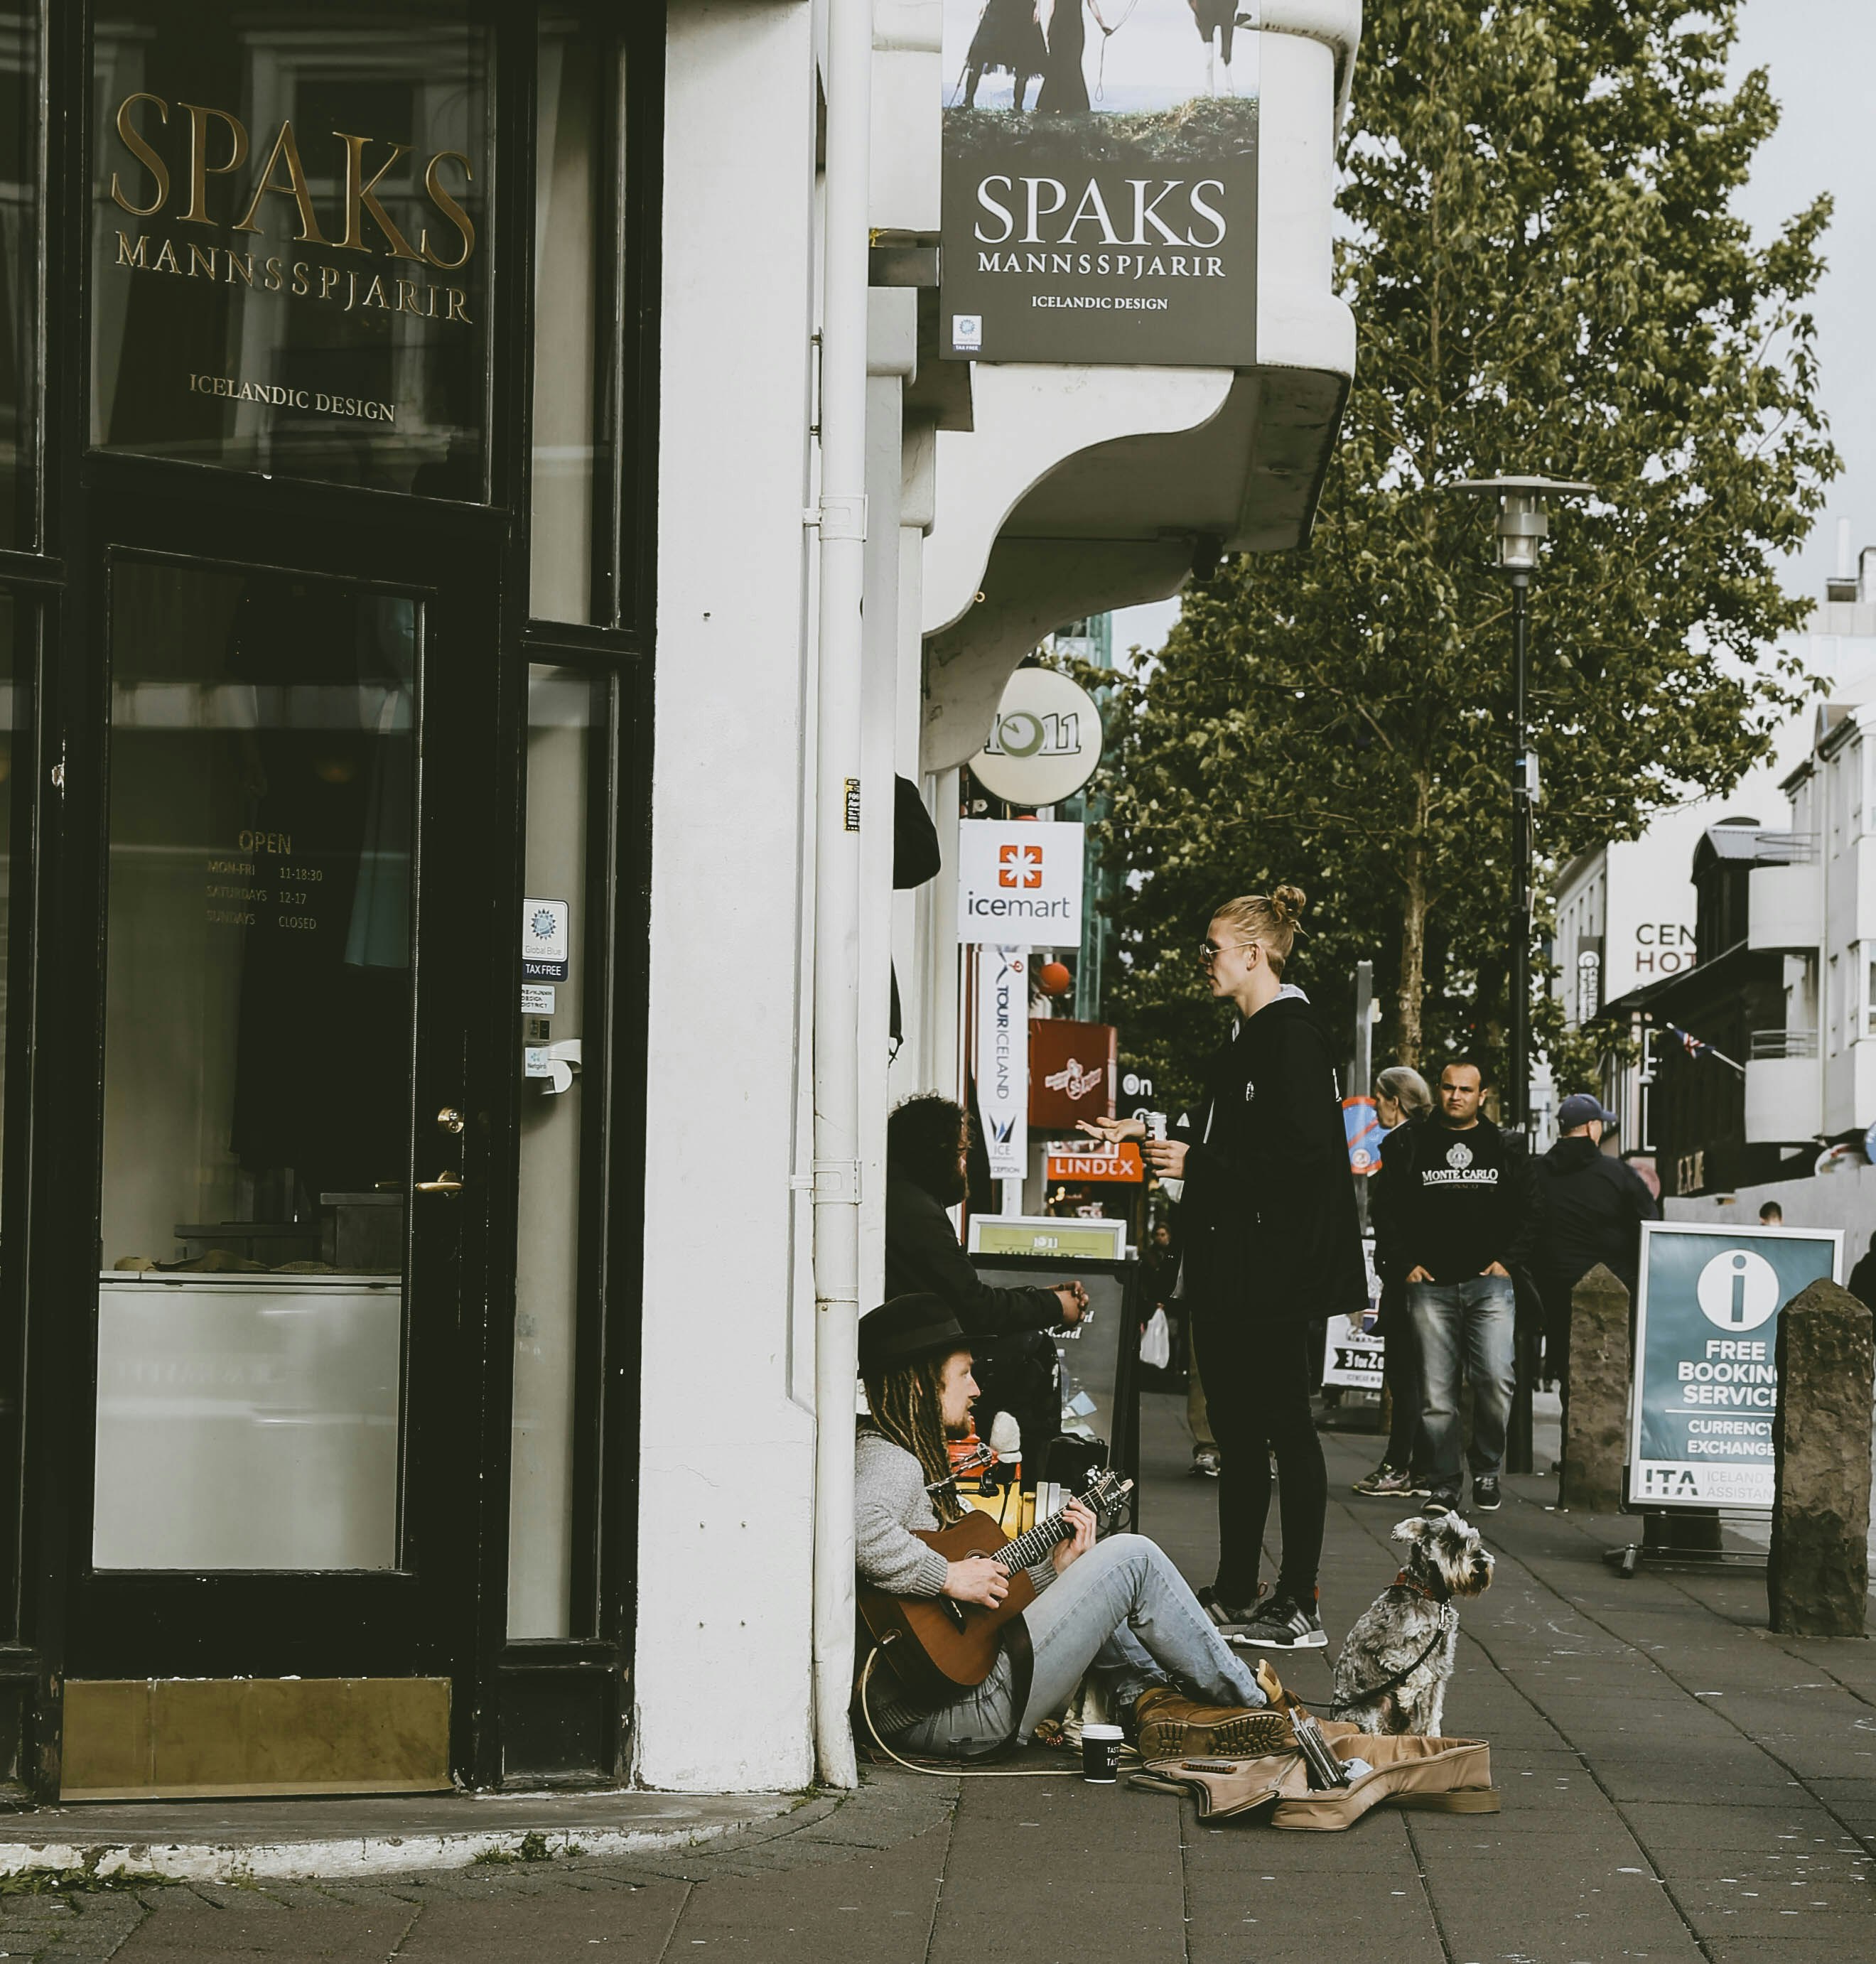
(840, 601)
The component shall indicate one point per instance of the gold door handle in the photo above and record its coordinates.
(445, 1182)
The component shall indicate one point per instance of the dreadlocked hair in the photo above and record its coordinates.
(907, 1407)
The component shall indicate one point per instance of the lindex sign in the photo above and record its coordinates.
(1100, 195)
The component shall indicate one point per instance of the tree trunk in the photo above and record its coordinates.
(1413, 935)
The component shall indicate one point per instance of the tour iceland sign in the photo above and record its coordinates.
(1706, 1377)
(1100, 182)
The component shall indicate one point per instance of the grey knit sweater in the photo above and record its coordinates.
(889, 1501)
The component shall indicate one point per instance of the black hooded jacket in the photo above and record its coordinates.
(1268, 1215)
(1593, 1208)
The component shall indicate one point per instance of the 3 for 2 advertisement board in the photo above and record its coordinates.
(1706, 1377)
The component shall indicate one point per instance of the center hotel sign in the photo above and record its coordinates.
(1100, 182)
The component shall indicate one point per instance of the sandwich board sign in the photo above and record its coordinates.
(1353, 1355)
(1704, 1380)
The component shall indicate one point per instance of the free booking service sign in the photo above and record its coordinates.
(1706, 1380)
(1019, 883)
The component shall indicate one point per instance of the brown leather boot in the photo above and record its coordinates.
(1169, 1727)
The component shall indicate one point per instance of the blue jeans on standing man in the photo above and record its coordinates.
(1472, 1324)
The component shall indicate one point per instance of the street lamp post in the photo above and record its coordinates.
(1522, 523)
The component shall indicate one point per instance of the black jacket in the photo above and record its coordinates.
(923, 1257)
(1454, 1202)
(1593, 1208)
(1268, 1217)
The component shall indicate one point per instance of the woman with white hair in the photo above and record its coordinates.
(1400, 1098)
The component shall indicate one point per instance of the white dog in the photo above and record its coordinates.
(1395, 1666)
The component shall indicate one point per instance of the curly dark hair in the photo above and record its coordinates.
(923, 1136)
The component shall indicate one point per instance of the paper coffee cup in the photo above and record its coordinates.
(1101, 1754)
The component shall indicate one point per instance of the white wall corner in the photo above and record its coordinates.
(1030, 420)
(892, 331)
(907, 108)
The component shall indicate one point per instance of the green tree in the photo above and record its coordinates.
(1547, 276)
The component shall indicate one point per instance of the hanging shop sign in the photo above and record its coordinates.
(1100, 188)
(1094, 1160)
(289, 262)
(1072, 1071)
(1706, 1380)
(1019, 880)
(1045, 743)
(1002, 1058)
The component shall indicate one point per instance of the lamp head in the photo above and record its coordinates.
(1523, 522)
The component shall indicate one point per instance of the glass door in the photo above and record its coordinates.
(288, 1146)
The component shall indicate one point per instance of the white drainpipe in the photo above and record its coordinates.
(843, 519)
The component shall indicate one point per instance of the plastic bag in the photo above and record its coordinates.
(1156, 1343)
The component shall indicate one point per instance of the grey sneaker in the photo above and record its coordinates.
(1206, 1462)
(1484, 1493)
(1282, 1624)
(1229, 1617)
(1386, 1482)
(1439, 1504)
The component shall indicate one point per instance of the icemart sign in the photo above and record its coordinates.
(1099, 190)
(1706, 1387)
(1020, 882)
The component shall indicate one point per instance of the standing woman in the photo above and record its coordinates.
(1400, 1098)
(1272, 1242)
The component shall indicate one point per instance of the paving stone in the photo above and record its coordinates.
(877, 1907)
(632, 1923)
(255, 1924)
(1031, 1860)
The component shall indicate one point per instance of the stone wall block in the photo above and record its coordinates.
(1595, 1437)
(1817, 1583)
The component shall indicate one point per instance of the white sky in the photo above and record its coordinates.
(1821, 55)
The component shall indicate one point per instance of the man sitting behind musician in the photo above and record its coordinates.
(1118, 1606)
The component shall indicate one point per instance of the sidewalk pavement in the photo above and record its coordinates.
(1679, 1785)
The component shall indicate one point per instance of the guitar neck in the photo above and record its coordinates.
(1032, 1546)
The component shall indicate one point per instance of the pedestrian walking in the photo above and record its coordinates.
(1460, 1216)
(1271, 1239)
(1592, 1206)
(1400, 1098)
(1863, 1277)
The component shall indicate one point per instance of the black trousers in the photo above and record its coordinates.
(1400, 1370)
(1257, 1394)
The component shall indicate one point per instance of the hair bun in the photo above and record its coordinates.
(1289, 903)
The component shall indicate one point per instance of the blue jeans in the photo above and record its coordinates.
(1123, 1610)
(1473, 1323)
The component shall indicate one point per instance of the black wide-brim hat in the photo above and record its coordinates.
(907, 1327)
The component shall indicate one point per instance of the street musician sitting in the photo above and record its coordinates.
(1117, 1607)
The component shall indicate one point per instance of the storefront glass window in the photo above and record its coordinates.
(290, 240)
(570, 744)
(257, 1071)
(578, 255)
(19, 268)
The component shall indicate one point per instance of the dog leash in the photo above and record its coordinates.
(1399, 1677)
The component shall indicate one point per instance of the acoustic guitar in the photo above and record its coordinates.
(937, 1646)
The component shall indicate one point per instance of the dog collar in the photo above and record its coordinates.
(1441, 1596)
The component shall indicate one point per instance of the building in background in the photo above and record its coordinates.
(1737, 1065)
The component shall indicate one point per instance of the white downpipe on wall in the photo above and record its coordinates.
(843, 518)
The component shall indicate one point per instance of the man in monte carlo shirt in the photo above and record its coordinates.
(1459, 1213)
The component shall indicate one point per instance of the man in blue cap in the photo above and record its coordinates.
(1594, 1206)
